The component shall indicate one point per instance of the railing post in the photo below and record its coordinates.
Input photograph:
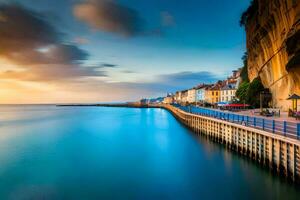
(298, 131)
(227, 116)
(254, 121)
(263, 124)
(247, 119)
(284, 128)
(273, 126)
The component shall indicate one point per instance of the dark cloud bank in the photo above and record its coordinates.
(30, 41)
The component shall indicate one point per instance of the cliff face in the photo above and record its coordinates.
(273, 46)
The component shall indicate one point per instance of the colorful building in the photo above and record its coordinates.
(184, 96)
(168, 99)
(213, 93)
(227, 93)
(191, 97)
(200, 93)
(178, 97)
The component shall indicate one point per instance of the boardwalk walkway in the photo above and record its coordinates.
(285, 128)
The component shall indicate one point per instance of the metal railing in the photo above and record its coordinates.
(288, 129)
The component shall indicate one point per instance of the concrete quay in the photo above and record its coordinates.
(277, 152)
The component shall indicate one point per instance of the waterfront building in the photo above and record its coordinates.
(235, 78)
(227, 93)
(212, 93)
(200, 93)
(191, 96)
(184, 96)
(178, 97)
(169, 99)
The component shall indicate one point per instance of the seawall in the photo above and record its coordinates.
(279, 153)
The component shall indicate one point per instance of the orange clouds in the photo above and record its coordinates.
(107, 15)
(38, 65)
(37, 49)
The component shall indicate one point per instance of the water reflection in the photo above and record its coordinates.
(121, 153)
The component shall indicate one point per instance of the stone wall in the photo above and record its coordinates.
(273, 46)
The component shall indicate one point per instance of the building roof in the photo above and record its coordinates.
(216, 86)
(294, 96)
(228, 87)
(203, 86)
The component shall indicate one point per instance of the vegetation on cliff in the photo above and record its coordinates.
(244, 72)
(249, 92)
(249, 13)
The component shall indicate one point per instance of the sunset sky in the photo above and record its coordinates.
(71, 51)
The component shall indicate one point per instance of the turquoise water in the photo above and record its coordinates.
(49, 152)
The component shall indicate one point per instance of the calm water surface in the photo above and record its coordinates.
(49, 152)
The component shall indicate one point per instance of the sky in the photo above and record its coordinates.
(88, 51)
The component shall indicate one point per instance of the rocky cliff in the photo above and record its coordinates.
(273, 46)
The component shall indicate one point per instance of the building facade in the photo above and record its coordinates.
(184, 96)
(227, 93)
(178, 97)
(191, 98)
(200, 93)
(168, 100)
(212, 94)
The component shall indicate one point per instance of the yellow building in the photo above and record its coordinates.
(168, 100)
(212, 94)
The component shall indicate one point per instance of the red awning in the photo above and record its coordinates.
(237, 105)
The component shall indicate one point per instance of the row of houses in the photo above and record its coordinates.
(222, 91)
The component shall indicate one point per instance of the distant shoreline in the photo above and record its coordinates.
(126, 105)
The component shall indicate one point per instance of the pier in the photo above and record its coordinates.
(276, 151)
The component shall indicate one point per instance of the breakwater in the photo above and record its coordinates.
(117, 105)
(277, 152)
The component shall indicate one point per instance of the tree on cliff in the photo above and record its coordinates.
(249, 92)
(249, 13)
(242, 91)
(244, 72)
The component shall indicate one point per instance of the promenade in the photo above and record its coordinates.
(279, 126)
(274, 144)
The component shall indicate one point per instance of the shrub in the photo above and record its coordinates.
(242, 91)
(250, 93)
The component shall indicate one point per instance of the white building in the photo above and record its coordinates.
(228, 93)
(178, 97)
(191, 96)
(168, 100)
